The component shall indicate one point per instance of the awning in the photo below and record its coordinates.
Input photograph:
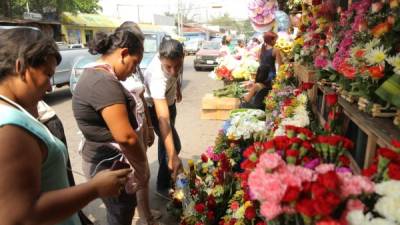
(89, 20)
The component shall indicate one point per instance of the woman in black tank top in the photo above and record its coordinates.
(269, 54)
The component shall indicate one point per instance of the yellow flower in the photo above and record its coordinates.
(395, 62)
(376, 55)
(247, 204)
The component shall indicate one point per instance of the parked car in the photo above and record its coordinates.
(151, 42)
(206, 57)
(192, 46)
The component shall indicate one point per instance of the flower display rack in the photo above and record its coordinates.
(367, 132)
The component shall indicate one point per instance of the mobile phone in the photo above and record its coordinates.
(120, 164)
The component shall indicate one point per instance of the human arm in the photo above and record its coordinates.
(179, 89)
(163, 115)
(278, 57)
(252, 91)
(149, 126)
(20, 187)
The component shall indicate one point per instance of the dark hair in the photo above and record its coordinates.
(30, 46)
(122, 38)
(262, 75)
(225, 40)
(270, 37)
(171, 49)
(132, 27)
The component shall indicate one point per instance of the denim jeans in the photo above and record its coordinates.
(164, 175)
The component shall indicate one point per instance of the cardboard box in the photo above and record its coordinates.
(209, 101)
(214, 108)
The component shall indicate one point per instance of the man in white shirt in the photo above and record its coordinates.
(163, 83)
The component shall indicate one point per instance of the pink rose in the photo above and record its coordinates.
(270, 210)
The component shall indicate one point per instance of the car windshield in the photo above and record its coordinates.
(211, 45)
(150, 43)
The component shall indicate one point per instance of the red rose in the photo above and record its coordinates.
(307, 85)
(360, 53)
(268, 145)
(332, 115)
(305, 207)
(200, 207)
(291, 194)
(376, 72)
(369, 172)
(309, 134)
(235, 206)
(321, 208)
(388, 153)
(317, 190)
(210, 215)
(204, 158)
(248, 165)
(306, 145)
(249, 151)
(330, 180)
(292, 153)
(281, 142)
(344, 160)
(328, 222)
(250, 213)
(396, 143)
(332, 199)
(394, 171)
(211, 203)
(347, 144)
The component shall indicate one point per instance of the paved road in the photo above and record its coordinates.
(196, 134)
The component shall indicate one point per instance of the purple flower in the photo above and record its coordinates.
(312, 164)
(343, 170)
(320, 62)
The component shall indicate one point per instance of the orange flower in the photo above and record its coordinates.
(376, 72)
(360, 53)
(380, 29)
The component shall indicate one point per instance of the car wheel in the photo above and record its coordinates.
(197, 68)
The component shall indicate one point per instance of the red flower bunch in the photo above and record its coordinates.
(223, 73)
(321, 197)
(331, 99)
(306, 86)
(386, 165)
(333, 148)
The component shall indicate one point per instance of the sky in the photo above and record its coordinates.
(128, 9)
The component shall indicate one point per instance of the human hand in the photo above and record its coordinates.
(178, 96)
(109, 183)
(175, 166)
(150, 136)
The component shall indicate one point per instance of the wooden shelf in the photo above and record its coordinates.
(373, 131)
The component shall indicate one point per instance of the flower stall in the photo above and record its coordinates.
(325, 151)
(353, 52)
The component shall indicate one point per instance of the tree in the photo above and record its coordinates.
(15, 8)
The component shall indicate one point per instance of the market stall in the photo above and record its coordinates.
(326, 148)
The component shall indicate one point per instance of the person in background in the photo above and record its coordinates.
(33, 175)
(163, 78)
(254, 98)
(104, 111)
(225, 46)
(270, 55)
(240, 49)
(253, 43)
(135, 85)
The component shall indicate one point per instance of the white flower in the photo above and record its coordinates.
(372, 44)
(380, 221)
(389, 207)
(395, 62)
(357, 217)
(388, 188)
(376, 55)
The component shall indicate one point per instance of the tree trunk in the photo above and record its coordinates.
(6, 6)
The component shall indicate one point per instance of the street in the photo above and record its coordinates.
(196, 134)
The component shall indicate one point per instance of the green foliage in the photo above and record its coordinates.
(227, 22)
(15, 8)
